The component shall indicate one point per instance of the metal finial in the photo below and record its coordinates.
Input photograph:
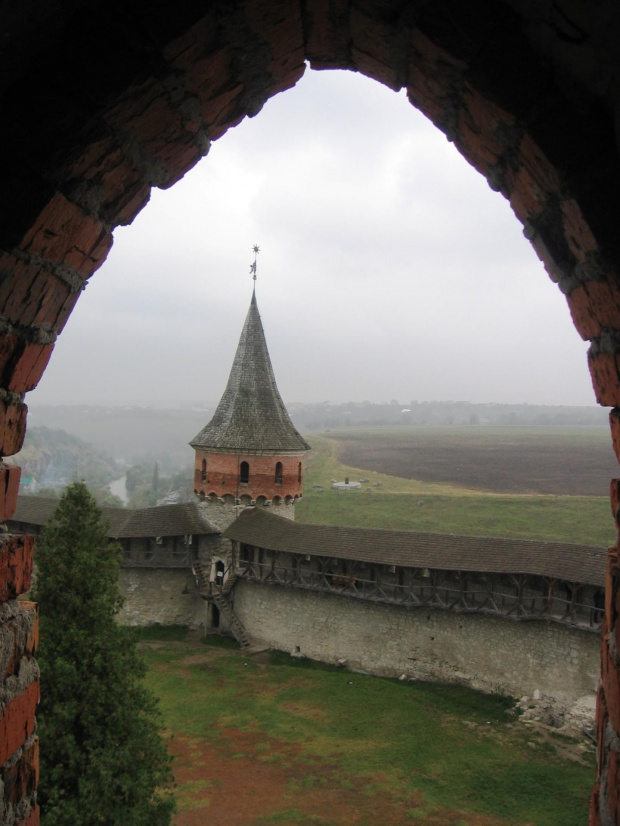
(255, 250)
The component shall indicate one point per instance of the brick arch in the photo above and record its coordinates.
(108, 100)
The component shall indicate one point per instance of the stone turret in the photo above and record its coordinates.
(249, 453)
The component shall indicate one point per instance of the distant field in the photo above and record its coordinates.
(269, 739)
(576, 461)
(396, 502)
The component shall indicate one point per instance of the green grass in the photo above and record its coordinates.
(161, 633)
(219, 641)
(457, 747)
(446, 508)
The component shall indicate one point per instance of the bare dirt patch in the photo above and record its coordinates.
(200, 659)
(560, 464)
(244, 778)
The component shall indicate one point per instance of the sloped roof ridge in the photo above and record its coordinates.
(560, 560)
(181, 519)
(251, 415)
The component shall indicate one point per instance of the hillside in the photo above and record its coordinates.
(54, 458)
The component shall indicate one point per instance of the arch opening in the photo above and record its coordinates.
(572, 230)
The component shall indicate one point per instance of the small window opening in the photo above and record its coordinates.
(299, 473)
(244, 473)
(204, 470)
(220, 569)
(278, 473)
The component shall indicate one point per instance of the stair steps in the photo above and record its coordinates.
(236, 626)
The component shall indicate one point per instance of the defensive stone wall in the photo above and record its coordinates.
(222, 513)
(156, 595)
(488, 653)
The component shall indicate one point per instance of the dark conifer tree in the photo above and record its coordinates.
(103, 759)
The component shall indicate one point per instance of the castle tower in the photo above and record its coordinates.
(249, 453)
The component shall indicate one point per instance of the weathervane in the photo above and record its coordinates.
(255, 250)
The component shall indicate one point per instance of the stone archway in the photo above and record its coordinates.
(104, 100)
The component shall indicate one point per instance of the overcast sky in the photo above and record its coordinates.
(388, 270)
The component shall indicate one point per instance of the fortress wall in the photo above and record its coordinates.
(488, 653)
(155, 595)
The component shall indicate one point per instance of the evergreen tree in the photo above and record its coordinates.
(103, 759)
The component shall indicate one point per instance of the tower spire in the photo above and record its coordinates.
(251, 417)
(255, 250)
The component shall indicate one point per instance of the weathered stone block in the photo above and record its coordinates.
(527, 196)
(63, 233)
(378, 50)
(594, 305)
(614, 423)
(328, 35)
(432, 71)
(281, 27)
(21, 778)
(32, 295)
(19, 635)
(605, 378)
(577, 233)
(29, 367)
(17, 723)
(9, 489)
(16, 561)
(12, 427)
(10, 347)
(33, 818)
(32, 642)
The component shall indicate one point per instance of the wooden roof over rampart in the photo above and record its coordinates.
(183, 519)
(558, 560)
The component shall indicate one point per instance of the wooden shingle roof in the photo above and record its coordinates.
(251, 416)
(183, 519)
(559, 560)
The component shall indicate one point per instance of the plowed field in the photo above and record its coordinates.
(570, 461)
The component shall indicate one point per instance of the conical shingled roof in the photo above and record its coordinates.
(251, 416)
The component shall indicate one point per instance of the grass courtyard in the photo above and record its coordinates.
(269, 739)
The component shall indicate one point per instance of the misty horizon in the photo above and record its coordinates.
(189, 404)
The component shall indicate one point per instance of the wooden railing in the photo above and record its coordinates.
(513, 596)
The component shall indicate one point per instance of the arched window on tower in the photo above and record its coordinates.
(244, 473)
(299, 473)
(278, 473)
(204, 470)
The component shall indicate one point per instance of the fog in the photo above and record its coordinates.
(388, 270)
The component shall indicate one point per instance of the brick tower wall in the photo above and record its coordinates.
(223, 474)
